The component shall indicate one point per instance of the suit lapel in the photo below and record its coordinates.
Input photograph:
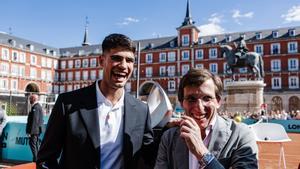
(180, 153)
(89, 114)
(129, 117)
(220, 135)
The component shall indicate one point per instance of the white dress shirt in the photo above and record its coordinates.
(111, 131)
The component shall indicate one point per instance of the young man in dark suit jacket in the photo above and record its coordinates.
(34, 124)
(100, 126)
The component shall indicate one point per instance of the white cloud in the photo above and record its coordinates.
(213, 27)
(128, 20)
(236, 15)
(293, 14)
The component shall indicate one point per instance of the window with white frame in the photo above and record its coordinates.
(171, 85)
(43, 62)
(213, 67)
(43, 74)
(93, 75)
(149, 57)
(293, 82)
(85, 75)
(33, 72)
(70, 76)
(259, 49)
(70, 64)
(213, 53)
(185, 55)
(22, 57)
(162, 57)
(199, 54)
(15, 56)
(292, 32)
(185, 40)
(77, 75)
(5, 54)
(275, 34)
(148, 71)
(22, 71)
(93, 62)
(13, 84)
(63, 76)
(4, 68)
(214, 40)
(162, 70)
(200, 41)
(3, 84)
(258, 35)
(185, 69)
(55, 65)
(14, 70)
(49, 88)
(56, 75)
(293, 64)
(171, 57)
(33, 59)
(101, 74)
(77, 63)
(275, 48)
(199, 66)
(63, 64)
(228, 38)
(292, 47)
(171, 71)
(49, 75)
(62, 88)
(85, 63)
(275, 65)
(49, 63)
(69, 88)
(55, 88)
(276, 83)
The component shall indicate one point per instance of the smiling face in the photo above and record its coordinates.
(117, 68)
(201, 103)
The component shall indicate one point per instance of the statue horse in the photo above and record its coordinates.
(252, 60)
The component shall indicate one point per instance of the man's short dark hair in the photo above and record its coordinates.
(117, 41)
(195, 77)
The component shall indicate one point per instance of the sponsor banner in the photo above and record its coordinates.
(290, 126)
(15, 142)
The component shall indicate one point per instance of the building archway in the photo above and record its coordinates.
(294, 103)
(276, 103)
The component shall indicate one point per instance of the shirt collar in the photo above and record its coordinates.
(102, 99)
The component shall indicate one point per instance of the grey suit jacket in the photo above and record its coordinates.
(232, 144)
(72, 137)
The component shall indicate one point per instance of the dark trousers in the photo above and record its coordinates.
(34, 145)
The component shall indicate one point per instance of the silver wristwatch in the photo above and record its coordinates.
(206, 159)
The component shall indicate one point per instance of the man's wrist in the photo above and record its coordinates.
(206, 159)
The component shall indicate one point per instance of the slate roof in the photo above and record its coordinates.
(23, 44)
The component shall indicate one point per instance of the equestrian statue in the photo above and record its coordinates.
(241, 57)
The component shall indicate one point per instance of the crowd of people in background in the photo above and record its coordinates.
(265, 115)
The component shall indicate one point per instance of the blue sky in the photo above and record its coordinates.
(61, 23)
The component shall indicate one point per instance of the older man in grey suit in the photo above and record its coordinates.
(203, 139)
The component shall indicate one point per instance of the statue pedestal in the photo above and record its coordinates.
(244, 96)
